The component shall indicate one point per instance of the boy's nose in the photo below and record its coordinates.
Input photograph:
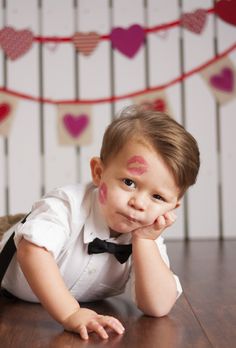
(137, 202)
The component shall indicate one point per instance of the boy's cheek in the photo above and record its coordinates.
(102, 193)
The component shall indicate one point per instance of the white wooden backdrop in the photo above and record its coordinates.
(31, 160)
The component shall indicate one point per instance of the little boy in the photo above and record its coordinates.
(75, 245)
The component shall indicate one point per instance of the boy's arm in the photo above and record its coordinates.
(155, 286)
(43, 276)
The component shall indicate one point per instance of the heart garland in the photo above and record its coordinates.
(194, 21)
(15, 43)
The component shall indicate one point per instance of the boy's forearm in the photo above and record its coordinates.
(155, 285)
(43, 276)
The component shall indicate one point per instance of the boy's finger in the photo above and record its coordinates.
(83, 332)
(98, 328)
(113, 324)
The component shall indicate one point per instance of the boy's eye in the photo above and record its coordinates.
(158, 197)
(129, 182)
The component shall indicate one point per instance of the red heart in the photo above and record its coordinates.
(4, 111)
(75, 125)
(226, 10)
(157, 105)
(224, 80)
(194, 21)
(15, 43)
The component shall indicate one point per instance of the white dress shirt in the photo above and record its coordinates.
(63, 222)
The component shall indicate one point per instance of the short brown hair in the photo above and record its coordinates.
(171, 140)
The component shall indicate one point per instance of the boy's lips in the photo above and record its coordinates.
(129, 218)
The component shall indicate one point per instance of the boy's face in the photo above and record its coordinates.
(135, 187)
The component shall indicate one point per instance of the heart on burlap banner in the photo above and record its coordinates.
(74, 124)
(221, 79)
(8, 105)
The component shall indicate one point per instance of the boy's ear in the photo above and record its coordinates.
(178, 204)
(96, 167)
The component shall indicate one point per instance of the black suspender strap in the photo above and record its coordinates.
(8, 252)
(6, 255)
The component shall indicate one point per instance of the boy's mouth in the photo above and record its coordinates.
(129, 218)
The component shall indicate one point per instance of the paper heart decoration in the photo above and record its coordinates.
(75, 125)
(226, 10)
(194, 21)
(158, 104)
(128, 41)
(15, 43)
(86, 42)
(4, 111)
(224, 80)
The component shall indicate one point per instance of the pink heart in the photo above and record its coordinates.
(128, 41)
(223, 81)
(194, 21)
(4, 111)
(15, 43)
(75, 125)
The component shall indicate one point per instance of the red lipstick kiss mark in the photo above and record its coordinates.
(102, 193)
(137, 170)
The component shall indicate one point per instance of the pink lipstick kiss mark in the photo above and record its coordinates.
(102, 193)
(137, 170)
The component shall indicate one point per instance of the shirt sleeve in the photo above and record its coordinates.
(48, 224)
(163, 252)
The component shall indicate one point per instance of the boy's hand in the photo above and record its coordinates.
(85, 320)
(153, 231)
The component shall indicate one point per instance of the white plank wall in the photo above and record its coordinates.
(94, 76)
(24, 143)
(203, 218)
(2, 140)
(58, 83)
(227, 119)
(31, 159)
(163, 49)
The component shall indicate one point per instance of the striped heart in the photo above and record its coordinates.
(15, 43)
(86, 42)
(194, 21)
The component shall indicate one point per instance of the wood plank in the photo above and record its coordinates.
(2, 141)
(207, 272)
(163, 66)
(201, 122)
(94, 76)
(24, 139)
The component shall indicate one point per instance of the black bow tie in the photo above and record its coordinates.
(121, 252)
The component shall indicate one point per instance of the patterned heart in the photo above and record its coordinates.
(15, 43)
(86, 42)
(194, 21)
(75, 125)
(128, 41)
(226, 10)
(4, 111)
(223, 81)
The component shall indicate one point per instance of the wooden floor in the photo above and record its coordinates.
(204, 316)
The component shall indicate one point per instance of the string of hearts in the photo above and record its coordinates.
(128, 41)
(228, 77)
